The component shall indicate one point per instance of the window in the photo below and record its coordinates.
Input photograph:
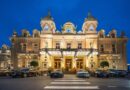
(57, 45)
(24, 34)
(113, 35)
(79, 45)
(68, 45)
(101, 36)
(45, 65)
(68, 31)
(4, 50)
(35, 45)
(46, 27)
(91, 28)
(101, 48)
(113, 48)
(36, 35)
(24, 47)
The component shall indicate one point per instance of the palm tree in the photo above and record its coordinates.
(104, 64)
(34, 63)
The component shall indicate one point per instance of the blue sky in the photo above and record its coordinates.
(21, 14)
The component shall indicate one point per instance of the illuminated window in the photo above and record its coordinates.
(68, 45)
(46, 27)
(113, 35)
(101, 48)
(35, 47)
(36, 35)
(101, 35)
(79, 45)
(68, 31)
(91, 28)
(113, 48)
(24, 47)
(45, 65)
(24, 34)
(57, 45)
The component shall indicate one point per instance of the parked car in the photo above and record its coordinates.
(57, 74)
(26, 72)
(113, 73)
(83, 74)
(101, 74)
(122, 73)
(5, 72)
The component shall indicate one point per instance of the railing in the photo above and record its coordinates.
(108, 52)
(65, 49)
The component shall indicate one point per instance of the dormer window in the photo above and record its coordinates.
(24, 34)
(46, 27)
(36, 35)
(68, 30)
(91, 28)
(113, 35)
(101, 36)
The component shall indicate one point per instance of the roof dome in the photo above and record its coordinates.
(90, 17)
(48, 17)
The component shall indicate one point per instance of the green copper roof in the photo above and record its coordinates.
(48, 17)
(90, 17)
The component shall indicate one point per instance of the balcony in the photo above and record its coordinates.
(69, 52)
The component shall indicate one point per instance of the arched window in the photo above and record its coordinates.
(36, 35)
(101, 48)
(113, 48)
(101, 35)
(113, 35)
(24, 34)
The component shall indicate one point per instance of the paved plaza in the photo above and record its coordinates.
(69, 82)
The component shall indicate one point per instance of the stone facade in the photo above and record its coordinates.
(69, 48)
(5, 58)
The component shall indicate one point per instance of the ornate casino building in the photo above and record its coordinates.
(69, 48)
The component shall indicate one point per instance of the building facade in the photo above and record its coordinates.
(69, 48)
(5, 58)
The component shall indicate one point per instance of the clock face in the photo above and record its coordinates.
(46, 27)
(91, 28)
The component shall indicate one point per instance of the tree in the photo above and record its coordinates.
(34, 63)
(104, 64)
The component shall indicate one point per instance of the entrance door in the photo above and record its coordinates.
(79, 64)
(57, 63)
(68, 64)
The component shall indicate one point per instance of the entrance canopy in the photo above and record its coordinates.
(68, 52)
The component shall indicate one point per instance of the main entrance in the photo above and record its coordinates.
(79, 63)
(57, 63)
(68, 64)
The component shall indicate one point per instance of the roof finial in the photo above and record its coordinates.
(90, 17)
(89, 14)
(49, 13)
